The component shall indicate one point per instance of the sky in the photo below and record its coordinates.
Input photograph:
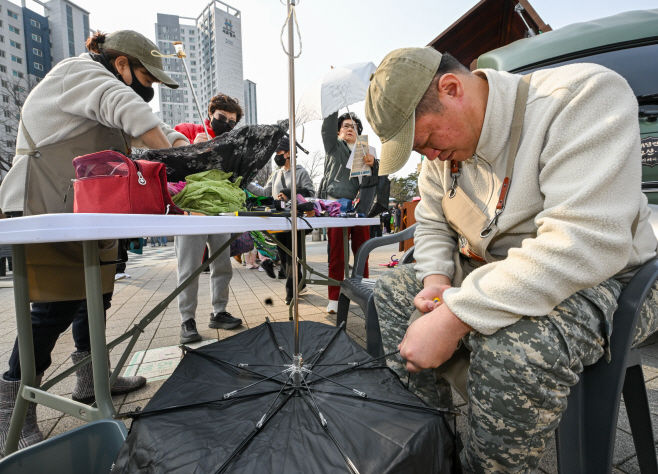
(334, 33)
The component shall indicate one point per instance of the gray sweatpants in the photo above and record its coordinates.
(189, 252)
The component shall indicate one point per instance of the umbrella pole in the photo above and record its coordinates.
(180, 53)
(297, 357)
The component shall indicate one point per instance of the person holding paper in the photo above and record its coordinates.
(339, 135)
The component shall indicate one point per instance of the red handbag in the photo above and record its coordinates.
(110, 183)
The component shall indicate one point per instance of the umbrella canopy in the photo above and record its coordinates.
(231, 407)
(242, 151)
(340, 87)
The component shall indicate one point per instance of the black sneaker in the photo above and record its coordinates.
(268, 266)
(188, 332)
(223, 320)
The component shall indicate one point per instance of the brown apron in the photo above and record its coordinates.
(55, 270)
(475, 232)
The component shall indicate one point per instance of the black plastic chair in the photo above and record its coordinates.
(355, 289)
(585, 438)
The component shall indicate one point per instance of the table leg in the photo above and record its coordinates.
(25, 345)
(97, 328)
(346, 249)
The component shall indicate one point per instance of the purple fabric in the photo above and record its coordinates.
(175, 188)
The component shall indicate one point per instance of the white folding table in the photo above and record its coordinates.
(89, 229)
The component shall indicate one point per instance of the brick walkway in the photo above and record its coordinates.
(153, 276)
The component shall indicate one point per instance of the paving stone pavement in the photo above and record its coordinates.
(153, 277)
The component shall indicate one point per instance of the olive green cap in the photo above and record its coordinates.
(395, 90)
(140, 47)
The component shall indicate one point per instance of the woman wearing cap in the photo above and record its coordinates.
(84, 104)
(279, 187)
(339, 136)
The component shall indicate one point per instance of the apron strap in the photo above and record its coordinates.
(515, 137)
(33, 148)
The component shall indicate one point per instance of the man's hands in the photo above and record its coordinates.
(424, 300)
(369, 160)
(282, 197)
(432, 339)
(201, 137)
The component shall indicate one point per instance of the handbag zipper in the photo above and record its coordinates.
(140, 178)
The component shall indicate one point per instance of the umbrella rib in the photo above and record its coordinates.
(255, 431)
(350, 465)
(215, 359)
(230, 394)
(276, 341)
(137, 414)
(320, 353)
(436, 411)
(360, 394)
(356, 365)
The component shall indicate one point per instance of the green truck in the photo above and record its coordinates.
(626, 43)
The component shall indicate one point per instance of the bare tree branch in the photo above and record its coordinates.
(13, 93)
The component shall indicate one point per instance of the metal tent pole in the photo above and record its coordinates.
(297, 357)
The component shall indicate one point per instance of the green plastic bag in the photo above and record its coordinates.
(210, 193)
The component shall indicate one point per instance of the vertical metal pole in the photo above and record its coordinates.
(346, 252)
(293, 167)
(25, 345)
(96, 315)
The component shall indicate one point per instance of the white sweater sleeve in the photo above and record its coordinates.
(434, 240)
(171, 135)
(589, 162)
(90, 91)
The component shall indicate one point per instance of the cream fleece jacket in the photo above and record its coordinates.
(575, 192)
(74, 97)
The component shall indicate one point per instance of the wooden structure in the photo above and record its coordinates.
(490, 24)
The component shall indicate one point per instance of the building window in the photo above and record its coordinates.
(36, 38)
(0, 22)
(192, 47)
(16, 59)
(15, 44)
(85, 25)
(3, 68)
(7, 128)
(12, 14)
(17, 74)
(5, 99)
(191, 32)
(2, 54)
(69, 25)
(38, 66)
(35, 23)
(165, 29)
(37, 52)
(13, 29)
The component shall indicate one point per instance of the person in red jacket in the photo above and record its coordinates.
(223, 114)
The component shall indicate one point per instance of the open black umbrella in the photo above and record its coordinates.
(239, 406)
(243, 151)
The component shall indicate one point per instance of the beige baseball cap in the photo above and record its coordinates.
(395, 90)
(139, 47)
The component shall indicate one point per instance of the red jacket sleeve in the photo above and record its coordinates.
(190, 130)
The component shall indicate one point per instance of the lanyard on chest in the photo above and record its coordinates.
(475, 229)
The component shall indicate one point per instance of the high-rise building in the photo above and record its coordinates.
(213, 44)
(250, 113)
(37, 43)
(69, 29)
(13, 61)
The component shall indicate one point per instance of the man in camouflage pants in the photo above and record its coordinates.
(525, 274)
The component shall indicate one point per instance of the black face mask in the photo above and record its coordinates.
(220, 125)
(146, 93)
(280, 160)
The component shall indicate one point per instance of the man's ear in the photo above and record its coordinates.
(450, 86)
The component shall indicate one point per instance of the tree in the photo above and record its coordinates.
(14, 90)
(404, 189)
(314, 164)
